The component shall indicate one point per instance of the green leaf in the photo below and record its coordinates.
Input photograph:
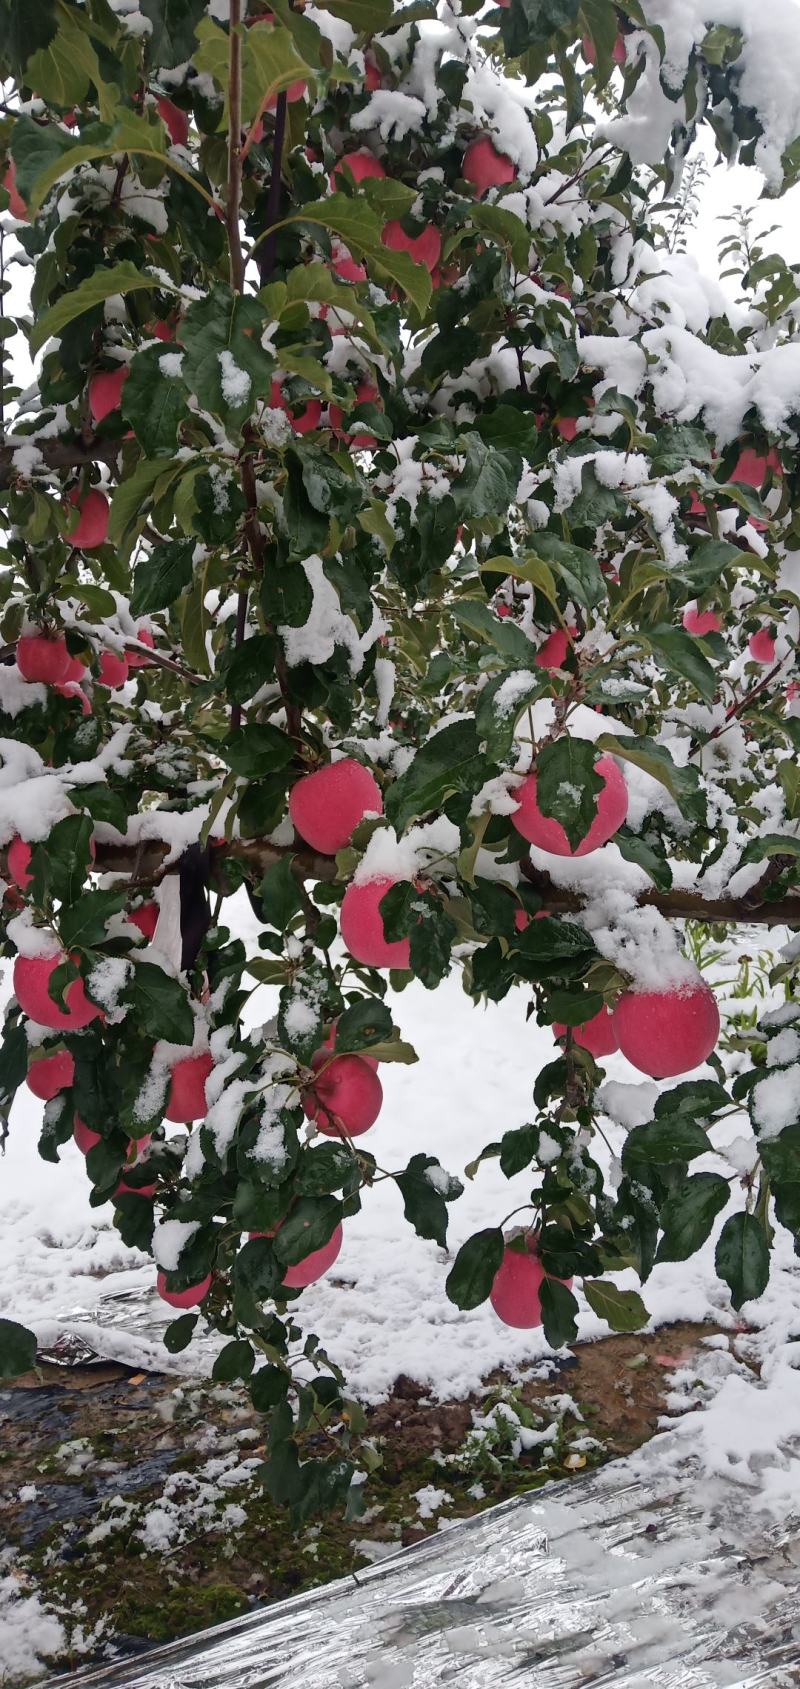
(708, 562)
(236, 1360)
(559, 1312)
(93, 290)
(675, 1137)
(425, 1199)
(579, 569)
(270, 62)
(682, 655)
(224, 363)
(500, 705)
(449, 762)
(361, 229)
(683, 784)
(133, 495)
(489, 479)
(256, 749)
(324, 1168)
(475, 1268)
(636, 849)
(84, 924)
(505, 228)
(24, 30)
(567, 787)
(161, 576)
(699, 1098)
(178, 1334)
(160, 1005)
(63, 71)
(689, 1214)
(154, 401)
(309, 1227)
(742, 1258)
(60, 864)
(173, 36)
(280, 895)
(364, 1023)
(623, 1310)
(17, 1349)
(13, 1059)
(478, 620)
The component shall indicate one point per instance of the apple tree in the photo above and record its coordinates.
(401, 535)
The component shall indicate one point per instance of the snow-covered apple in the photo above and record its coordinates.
(42, 658)
(485, 166)
(19, 860)
(327, 806)
(302, 420)
(668, 1032)
(346, 1092)
(175, 121)
(548, 834)
(112, 670)
(361, 925)
(145, 917)
(32, 976)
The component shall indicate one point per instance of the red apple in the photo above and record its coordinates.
(548, 834)
(366, 394)
(327, 806)
(347, 1092)
(112, 670)
(145, 918)
(751, 469)
(424, 249)
(137, 659)
(51, 1074)
(596, 1035)
(190, 1298)
(42, 659)
(314, 1265)
(361, 164)
(503, 610)
(485, 167)
(566, 426)
(701, 621)
(32, 975)
(164, 330)
(19, 858)
(761, 646)
(16, 203)
(295, 91)
(305, 419)
(361, 926)
(552, 653)
(329, 1044)
(590, 51)
(373, 79)
(92, 529)
(665, 1033)
(347, 267)
(515, 1294)
(186, 1099)
(696, 507)
(175, 121)
(105, 391)
(84, 1137)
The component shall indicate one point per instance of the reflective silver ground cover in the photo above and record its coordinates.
(602, 1581)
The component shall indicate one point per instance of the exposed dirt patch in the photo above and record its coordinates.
(136, 1503)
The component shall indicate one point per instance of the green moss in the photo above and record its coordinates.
(159, 1616)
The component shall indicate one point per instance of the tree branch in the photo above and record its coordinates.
(57, 454)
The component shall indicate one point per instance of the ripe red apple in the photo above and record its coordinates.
(84, 1137)
(16, 203)
(485, 167)
(51, 1074)
(132, 1190)
(751, 469)
(696, 507)
(366, 394)
(305, 419)
(361, 926)
(314, 1265)
(137, 659)
(145, 918)
(566, 426)
(190, 1298)
(701, 621)
(665, 1033)
(19, 857)
(327, 806)
(552, 653)
(186, 1099)
(548, 834)
(361, 164)
(590, 51)
(515, 1294)
(761, 646)
(346, 1092)
(329, 1044)
(175, 121)
(42, 659)
(92, 529)
(32, 975)
(163, 330)
(373, 79)
(73, 691)
(295, 91)
(424, 249)
(503, 610)
(112, 670)
(347, 267)
(597, 1035)
(105, 391)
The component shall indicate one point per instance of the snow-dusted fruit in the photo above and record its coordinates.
(361, 926)
(92, 529)
(424, 249)
(346, 267)
(32, 975)
(548, 834)
(51, 1074)
(346, 1092)
(360, 164)
(105, 391)
(43, 659)
(701, 621)
(516, 1292)
(485, 167)
(597, 1035)
(314, 1265)
(112, 670)
(145, 918)
(326, 806)
(665, 1033)
(190, 1298)
(84, 1137)
(16, 203)
(761, 646)
(175, 121)
(329, 1045)
(137, 659)
(19, 861)
(186, 1098)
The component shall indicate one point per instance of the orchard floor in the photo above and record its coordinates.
(163, 1477)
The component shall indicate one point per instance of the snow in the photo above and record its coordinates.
(29, 1632)
(170, 1238)
(235, 382)
(776, 1101)
(327, 626)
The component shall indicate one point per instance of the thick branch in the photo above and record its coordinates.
(147, 862)
(58, 454)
